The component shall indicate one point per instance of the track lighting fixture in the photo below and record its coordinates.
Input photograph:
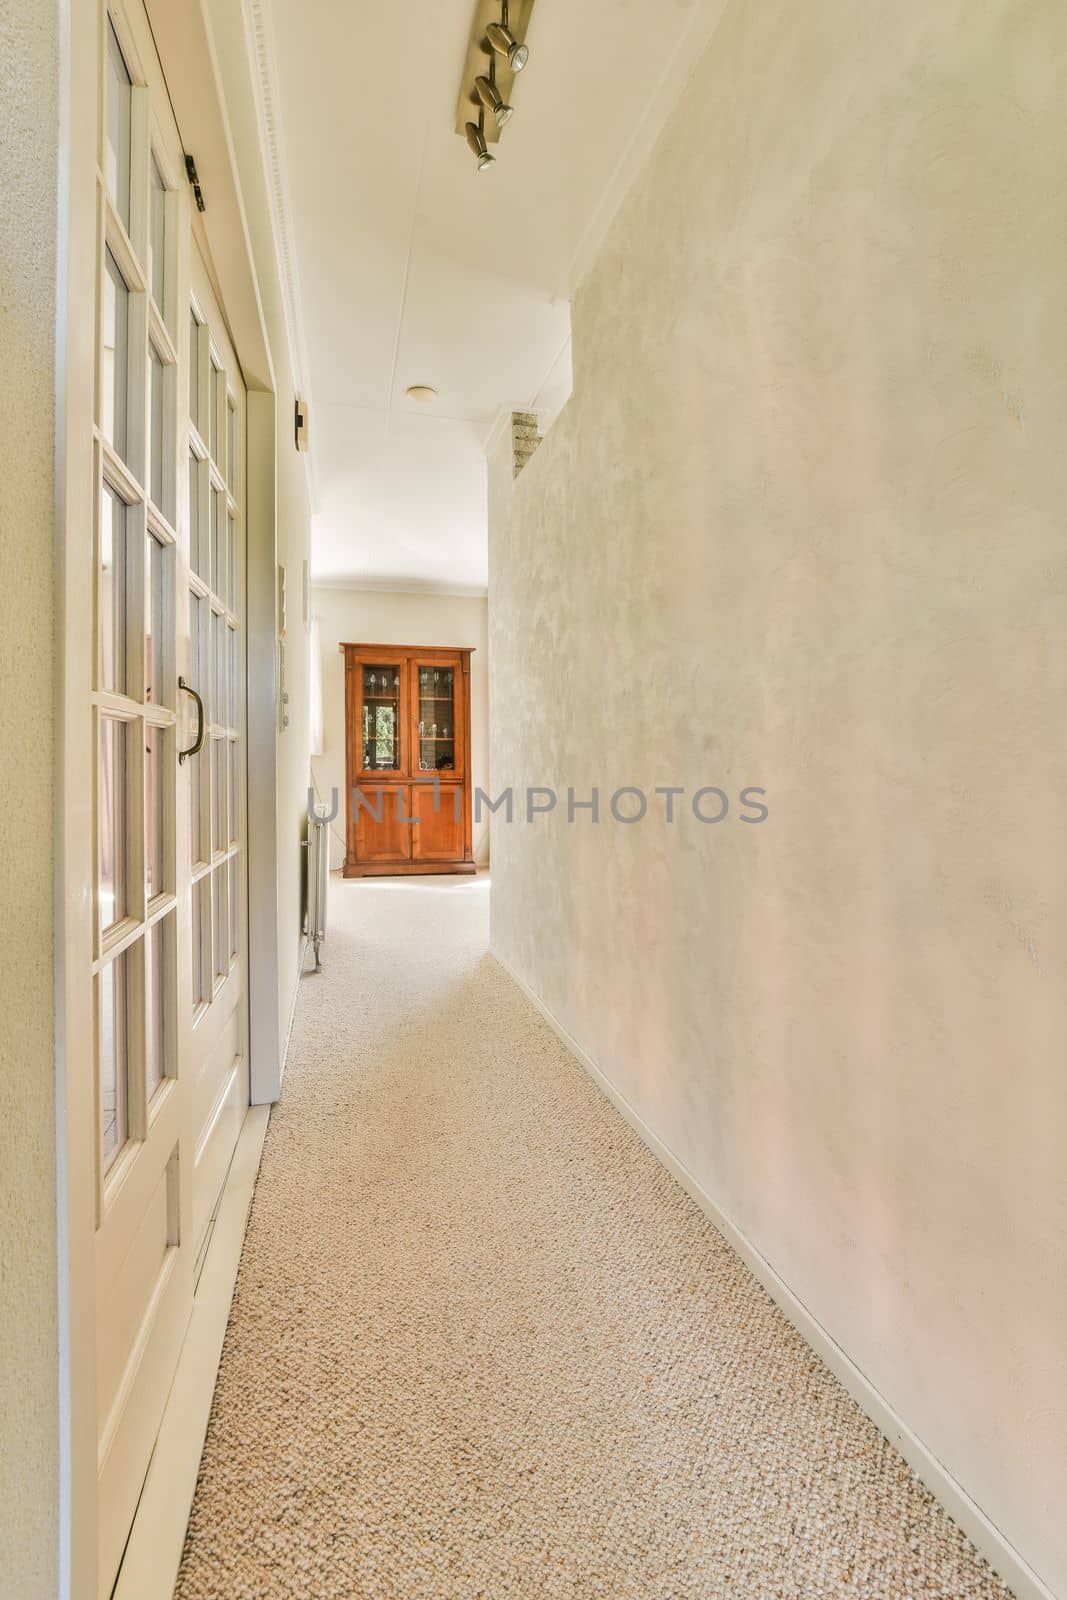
(491, 99)
(505, 44)
(496, 51)
(476, 140)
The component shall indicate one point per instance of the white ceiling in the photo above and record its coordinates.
(410, 267)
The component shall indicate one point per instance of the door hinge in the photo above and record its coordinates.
(198, 193)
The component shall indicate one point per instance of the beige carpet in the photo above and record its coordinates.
(484, 1348)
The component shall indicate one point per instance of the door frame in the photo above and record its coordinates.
(189, 62)
(187, 56)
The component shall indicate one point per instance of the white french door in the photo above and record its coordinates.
(214, 1032)
(169, 1050)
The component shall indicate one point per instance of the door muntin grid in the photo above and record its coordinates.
(151, 354)
(215, 665)
(135, 458)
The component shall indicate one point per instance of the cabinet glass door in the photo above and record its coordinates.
(436, 719)
(382, 730)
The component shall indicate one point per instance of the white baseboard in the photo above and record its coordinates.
(1002, 1556)
(305, 940)
(150, 1566)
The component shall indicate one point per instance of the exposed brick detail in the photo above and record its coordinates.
(525, 437)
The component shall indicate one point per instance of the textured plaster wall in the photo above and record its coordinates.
(29, 131)
(802, 525)
(353, 616)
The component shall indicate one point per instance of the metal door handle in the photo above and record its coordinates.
(197, 745)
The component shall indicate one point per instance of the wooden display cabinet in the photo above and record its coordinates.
(407, 760)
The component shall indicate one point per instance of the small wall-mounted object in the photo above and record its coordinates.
(301, 425)
(194, 183)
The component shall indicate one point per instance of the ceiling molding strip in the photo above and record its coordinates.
(668, 90)
(427, 589)
(260, 33)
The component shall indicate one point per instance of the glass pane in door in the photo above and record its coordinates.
(156, 440)
(381, 718)
(234, 906)
(235, 793)
(231, 568)
(117, 144)
(201, 932)
(114, 1046)
(153, 811)
(157, 946)
(111, 823)
(114, 348)
(437, 719)
(213, 413)
(234, 670)
(221, 900)
(157, 235)
(221, 704)
(218, 547)
(112, 591)
(155, 621)
(220, 772)
(197, 547)
(194, 371)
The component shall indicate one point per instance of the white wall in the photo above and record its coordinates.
(29, 1366)
(294, 544)
(801, 526)
(354, 616)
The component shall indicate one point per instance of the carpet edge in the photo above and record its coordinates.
(1005, 1559)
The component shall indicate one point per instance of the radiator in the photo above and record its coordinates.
(318, 849)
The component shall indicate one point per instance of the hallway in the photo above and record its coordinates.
(482, 1345)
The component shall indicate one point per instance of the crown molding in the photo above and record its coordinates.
(659, 107)
(409, 586)
(259, 31)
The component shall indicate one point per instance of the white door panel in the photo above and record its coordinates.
(169, 1046)
(216, 1032)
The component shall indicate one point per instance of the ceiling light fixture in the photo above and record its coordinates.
(496, 51)
(476, 140)
(491, 99)
(505, 44)
(422, 392)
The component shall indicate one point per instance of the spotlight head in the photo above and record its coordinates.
(489, 95)
(505, 44)
(476, 140)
